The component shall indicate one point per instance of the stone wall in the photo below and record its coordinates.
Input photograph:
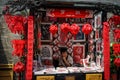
(5, 43)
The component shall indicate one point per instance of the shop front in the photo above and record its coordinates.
(61, 40)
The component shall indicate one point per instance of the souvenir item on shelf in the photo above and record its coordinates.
(61, 70)
(73, 69)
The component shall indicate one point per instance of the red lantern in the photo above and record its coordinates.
(87, 28)
(65, 27)
(117, 62)
(53, 29)
(19, 67)
(74, 29)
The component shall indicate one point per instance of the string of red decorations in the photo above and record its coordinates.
(106, 51)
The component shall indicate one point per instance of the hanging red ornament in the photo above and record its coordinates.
(115, 19)
(87, 29)
(53, 29)
(74, 29)
(65, 27)
(117, 62)
(18, 46)
(16, 23)
(19, 67)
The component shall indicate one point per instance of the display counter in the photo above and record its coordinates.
(68, 75)
(71, 76)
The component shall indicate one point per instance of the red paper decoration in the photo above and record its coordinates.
(65, 27)
(18, 46)
(19, 67)
(87, 28)
(117, 62)
(16, 23)
(74, 29)
(53, 29)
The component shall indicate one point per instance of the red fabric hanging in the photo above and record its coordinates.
(106, 51)
(18, 46)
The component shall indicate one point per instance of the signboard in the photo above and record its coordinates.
(70, 13)
(93, 76)
(45, 78)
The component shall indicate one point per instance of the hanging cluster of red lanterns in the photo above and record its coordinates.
(16, 23)
(74, 28)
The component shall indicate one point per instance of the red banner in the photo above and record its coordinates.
(106, 51)
(30, 49)
(70, 13)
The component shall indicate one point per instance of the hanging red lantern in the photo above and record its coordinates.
(19, 67)
(53, 29)
(65, 27)
(74, 29)
(115, 19)
(87, 28)
(117, 62)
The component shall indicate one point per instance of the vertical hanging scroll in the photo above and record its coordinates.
(30, 49)
(106, 51)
